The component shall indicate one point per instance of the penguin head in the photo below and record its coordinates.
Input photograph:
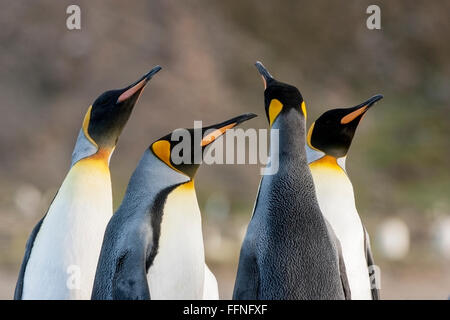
(333, 131)
(109, 113)
(172, 148)
(279, 97)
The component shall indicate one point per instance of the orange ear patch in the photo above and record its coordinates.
(274, 110)
(211, 137)
(352, 116)
(87, 119)
(309, 135)
(162, 150)
(303, 107)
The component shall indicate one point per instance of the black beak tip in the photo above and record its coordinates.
(152, 72)
(259, 65)
(245, 117)
(263, 71)
(374, 100)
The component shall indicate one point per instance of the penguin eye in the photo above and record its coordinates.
(103, 100)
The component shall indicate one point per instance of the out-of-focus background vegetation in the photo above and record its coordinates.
(398, 161)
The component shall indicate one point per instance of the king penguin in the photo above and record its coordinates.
(63, 248)
(328, 142)
(153, 245)
(288, 251)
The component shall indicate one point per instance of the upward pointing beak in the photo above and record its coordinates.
(138, 86)
(360, 109)
(266, 76)
(221, 128)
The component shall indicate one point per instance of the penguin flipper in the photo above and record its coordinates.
(373, 276)
(128, 282)
(342, 269)
(28, 248)
(343, 272)
(247, 280)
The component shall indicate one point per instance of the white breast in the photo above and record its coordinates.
(337, 203)
(210, 287)
(64, 257)
(178, 271)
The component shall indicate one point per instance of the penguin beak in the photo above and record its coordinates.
(266, 76)
(220, 128)
(137, 87)
(360, 109)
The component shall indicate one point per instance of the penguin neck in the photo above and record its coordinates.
(318, 159)
(288, 136)
(313, 154)
(86, 149)
(151, 180)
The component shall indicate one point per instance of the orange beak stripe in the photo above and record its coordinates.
(352, 116)
(127, 94)
(265, 82)
(209, 138)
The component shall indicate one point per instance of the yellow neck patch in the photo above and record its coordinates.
(86, 120)
(186, 187)
(93, 164)
(102, 154)
(275, 108)
(326, 162)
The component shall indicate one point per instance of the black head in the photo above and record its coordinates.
(109, 113)
(182, 149)
(279, 97)
(333, 131)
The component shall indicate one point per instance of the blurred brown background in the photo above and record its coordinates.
(398, 161)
